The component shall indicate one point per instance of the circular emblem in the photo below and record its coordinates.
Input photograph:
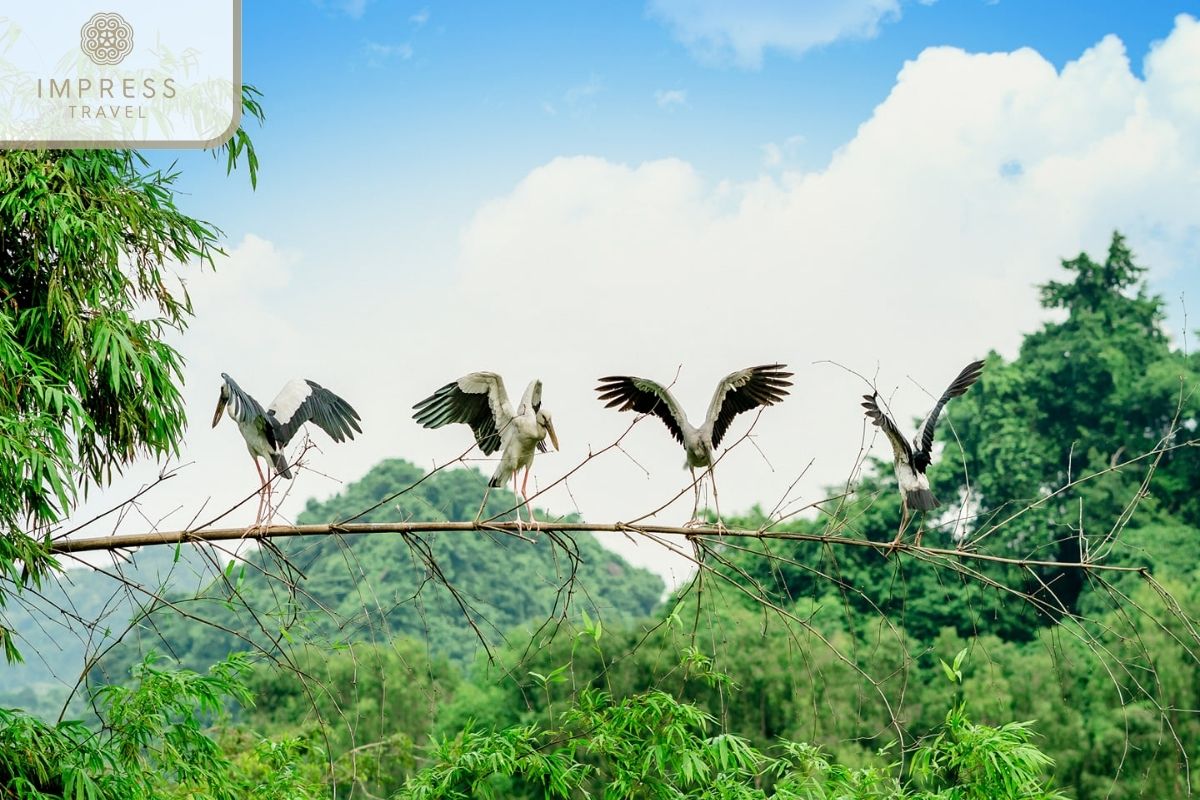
(106, 38)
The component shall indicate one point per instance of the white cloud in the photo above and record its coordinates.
(670, 98)
(581, 92)
(579, 100)
(719, 31)
(379, 53)
(916, 249)
(775, 154)
(351, 8)
(420, 18)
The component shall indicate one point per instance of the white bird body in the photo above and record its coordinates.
(739, 391)
(744, 390)
(911, 482)
(256, 439)
(268, 432)
(521, 440)
(480, 400)
(696, 447)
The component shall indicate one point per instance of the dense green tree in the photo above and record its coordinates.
(89, 383)
(369, 706)
(650, 744)
(157, 743)
(1086, 394)
(455, 591)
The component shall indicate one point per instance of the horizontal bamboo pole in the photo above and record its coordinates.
(125, 541)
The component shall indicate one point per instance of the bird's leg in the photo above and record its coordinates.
(920, 531)
(695, 520)
(533, 523)
(270, 498)
(525, 494)
(262, 485)
(716, 500)
(521, 498)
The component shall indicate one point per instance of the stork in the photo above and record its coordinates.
(911, 461)
(268, 432)
(480, 400)
(744, 390)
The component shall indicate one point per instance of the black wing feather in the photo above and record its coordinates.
(880, 419)
(958, 387)
(451, 404)
(627, 393)
(756, 387)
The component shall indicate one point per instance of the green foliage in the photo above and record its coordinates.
(369, 707)
(968, 761)
(1109, 696)
(287, 769)
(1087, 394)
(87, 240)
(156, 742)
(41, 684)
(372, 587)
(652, 745)
(240, 146)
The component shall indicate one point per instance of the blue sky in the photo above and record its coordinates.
(466, 87)
(432, 108)
(565, 190)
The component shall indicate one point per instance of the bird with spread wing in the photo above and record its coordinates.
(480, 401)
(744, 390)
(268, 432)
(911, 460)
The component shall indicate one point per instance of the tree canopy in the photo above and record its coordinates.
(88, 239)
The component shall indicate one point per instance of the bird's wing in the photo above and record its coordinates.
(880, 419)
(626, 393)
(532, 399)
(744, 390)
(923, 441)
(478, 399)
(242, 407)
(301, 401)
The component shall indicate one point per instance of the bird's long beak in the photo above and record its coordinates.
(221, 401)
(553, 435)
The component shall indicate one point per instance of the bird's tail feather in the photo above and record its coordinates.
(281, 465)
(500, 477)
(922, 500)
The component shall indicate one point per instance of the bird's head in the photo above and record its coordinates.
(222, 400)
(544, 421)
